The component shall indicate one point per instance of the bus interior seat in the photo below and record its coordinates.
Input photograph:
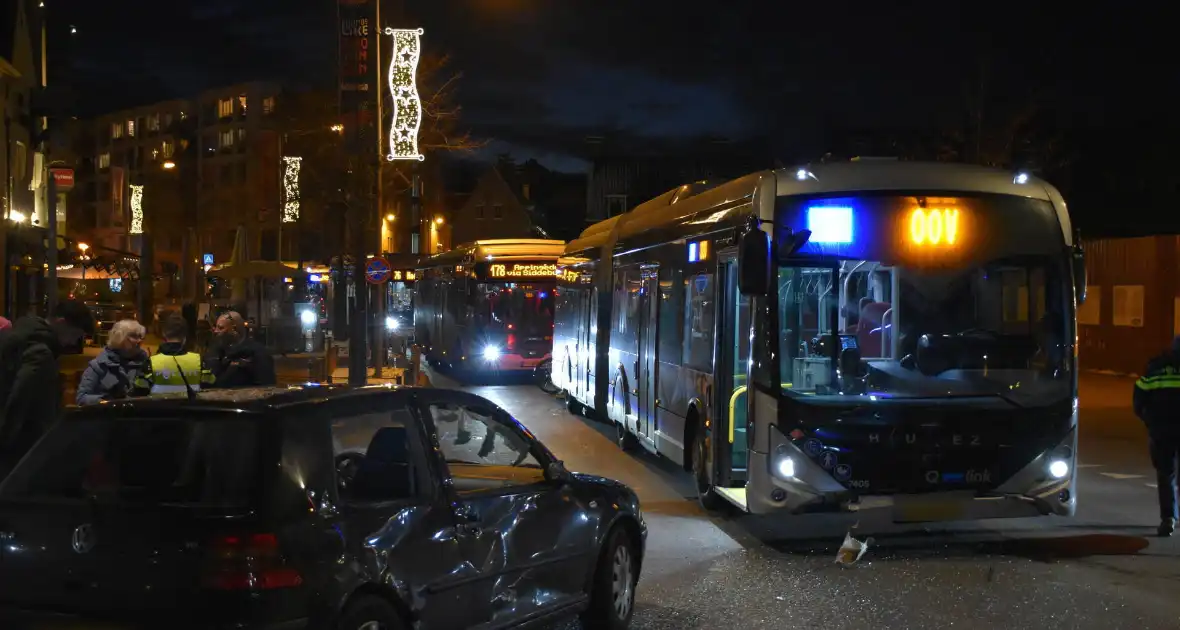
(385, 472)
(737, 423)
(868, 334)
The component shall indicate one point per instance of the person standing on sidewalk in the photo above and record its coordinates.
(173, 369)
(1157, 403)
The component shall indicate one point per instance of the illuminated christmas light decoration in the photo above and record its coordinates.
(136, 209)
(403, 91)
(291, 166)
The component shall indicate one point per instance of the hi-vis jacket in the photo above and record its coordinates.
(167, 373)
(1157, 395)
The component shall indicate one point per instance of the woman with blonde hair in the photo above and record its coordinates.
(111, 375)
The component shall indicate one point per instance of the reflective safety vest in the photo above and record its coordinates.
(168, 372)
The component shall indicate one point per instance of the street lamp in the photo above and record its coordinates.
(438, 220)
(17, 216)
(389, 217)
(169, 165)
(338, 128)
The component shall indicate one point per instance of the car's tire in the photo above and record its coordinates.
(612, 591)
(369, 612)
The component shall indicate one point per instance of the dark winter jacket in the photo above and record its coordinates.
(30, 387)
(1157, 394)
(244, 364)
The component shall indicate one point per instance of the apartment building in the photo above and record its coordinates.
(206, 165)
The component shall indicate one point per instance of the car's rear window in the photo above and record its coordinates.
(198, 462)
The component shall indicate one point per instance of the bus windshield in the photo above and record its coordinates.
(525, 310)
(864, 328)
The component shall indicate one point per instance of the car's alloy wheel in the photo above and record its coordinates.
(622, 582)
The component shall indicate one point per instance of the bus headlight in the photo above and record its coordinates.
(308, 318)
(391, 323)
(1059, 468)
(784, 464)
(491, 352)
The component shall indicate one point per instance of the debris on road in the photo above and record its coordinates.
(852, 550)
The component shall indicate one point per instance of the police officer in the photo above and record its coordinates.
(1157, 403)
(173, 369)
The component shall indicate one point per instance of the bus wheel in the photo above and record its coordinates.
(624, 438)
(701, 461)
(573, 405)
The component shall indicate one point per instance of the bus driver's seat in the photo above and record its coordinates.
(871, 329)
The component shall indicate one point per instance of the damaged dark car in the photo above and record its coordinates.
(313, 507)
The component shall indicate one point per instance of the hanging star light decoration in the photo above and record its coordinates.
(403, 91)
(291, 166)
(136, 209)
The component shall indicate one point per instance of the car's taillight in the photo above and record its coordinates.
(510, 343)
(251, 562)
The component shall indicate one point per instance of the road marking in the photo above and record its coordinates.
(1121, 476)
(1151, 485)
(1089, 465)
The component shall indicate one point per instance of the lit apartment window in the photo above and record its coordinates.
(183, 116)
(153, 122)
(167, 149)
(227, 139)
(117, 130)
(225, 107)
(242, 103)
(104, 160)
(131, 128)
(155, 154)
(268, 105)
(526, 191)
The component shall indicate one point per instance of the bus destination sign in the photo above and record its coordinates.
(521, 270)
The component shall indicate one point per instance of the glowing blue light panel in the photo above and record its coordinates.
(693, 253)
(830, 225)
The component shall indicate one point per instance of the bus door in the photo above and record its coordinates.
(730, 374)
(649, 300)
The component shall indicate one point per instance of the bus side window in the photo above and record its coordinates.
(671, 333)
(698, 322)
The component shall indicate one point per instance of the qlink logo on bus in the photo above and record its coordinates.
(936, 226)
(978, 476)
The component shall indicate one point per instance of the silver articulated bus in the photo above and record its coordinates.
(801, 339)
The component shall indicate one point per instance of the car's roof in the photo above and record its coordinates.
(247, 400)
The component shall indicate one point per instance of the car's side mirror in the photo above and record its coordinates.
(556, 472)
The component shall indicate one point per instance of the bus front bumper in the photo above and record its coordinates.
(1033, 491)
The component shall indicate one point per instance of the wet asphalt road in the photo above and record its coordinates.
(1103, 569)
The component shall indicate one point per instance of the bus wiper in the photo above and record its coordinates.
(1010, 400)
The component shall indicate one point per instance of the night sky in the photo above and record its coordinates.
(540, 75)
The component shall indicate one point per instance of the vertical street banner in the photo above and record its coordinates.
(358, 74)
(118, 188)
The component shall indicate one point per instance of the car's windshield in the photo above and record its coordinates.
(862, 327)
(158, 461)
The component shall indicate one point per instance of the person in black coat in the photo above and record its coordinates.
(1157, 403)
(30, 388)
(237, 360)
